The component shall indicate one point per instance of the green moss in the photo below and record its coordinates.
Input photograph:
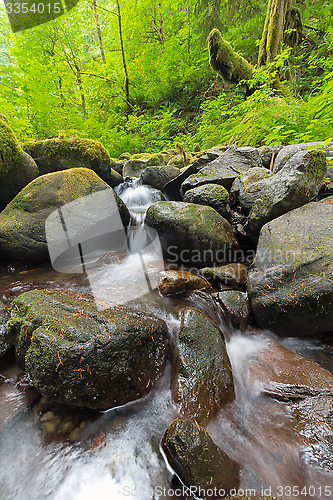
(156, 160)
(11, 152)
(87, 149)
(317, 161)
(125, 156)
(141, 156)
(230, 65)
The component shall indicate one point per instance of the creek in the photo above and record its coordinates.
(116, 454)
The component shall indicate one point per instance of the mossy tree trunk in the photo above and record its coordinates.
(123, 55)
(99, 31)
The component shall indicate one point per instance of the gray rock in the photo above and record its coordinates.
(287, 152)
(80, 356)
(290, 283)
(203, 381)
(5, 342)
(197, 461)
(158, 176)
(236, 307)
(134, 167)
(172, 188)
(293, 186)
(245, 190)
(268, 154)
(210, 195)
(192, 233)
(225, 168)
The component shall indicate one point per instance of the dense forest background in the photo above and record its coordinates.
(135, 75)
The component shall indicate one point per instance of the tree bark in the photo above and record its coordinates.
(99, 32)
(123, 55)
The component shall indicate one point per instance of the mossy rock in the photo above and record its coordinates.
(156, 159)
(141, 156)
(192, 233)
(181, 160)
(203, 382)
(197, 460)
(234, 275)
(52, 155)
(134, 167)
(80, 356)
(298, 182)
(5, 342)
(290, 282)
(196, 148)
(178, 282)
(22, 222)
(125, 156)
(158, 176)
(11, 153)
(117, 165)
(235, 306)
(211, 195)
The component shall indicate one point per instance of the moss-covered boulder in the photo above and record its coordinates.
(176, 282)
(245, 190)
(192, 233)
(290, 282)
(156, 159)
(287, 152)
(203, 380)
(197, 461)
(80, 356)
(233, 275)
(134, 167)
(17, 168)
(211, 195)
(224, 169)
(52, 155)
(158, 176)
(181, 160)
(5, 342)
(22, 223)
(298, 182)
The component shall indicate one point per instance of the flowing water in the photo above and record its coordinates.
(115, 454)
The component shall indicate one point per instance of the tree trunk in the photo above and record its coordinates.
(99, 32)
(160, 19)
(123, 55)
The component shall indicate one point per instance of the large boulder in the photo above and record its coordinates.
(211, 195)
(192, 233)
(5, 342)
(17, 168)
(290, 283)
(134, 167)
(203, 381)
(297, 183)
(287, 152)
(80, 356)
(225, 168)
(22, 223)
(198, 462)
(52, 155)
(158, 176)
(246, 189)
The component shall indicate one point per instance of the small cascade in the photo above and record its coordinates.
(137, 197)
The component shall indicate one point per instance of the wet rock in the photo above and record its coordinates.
(117, 165)
(158, 176)
(175, 282)
(246, 189)
(52, 155)
(234, 275)
(287, 152)
(290, 282)
(197, 461)
(236, 307)
(268, 155)
(293, 186)
(172, 188)
(5, 342)
(210, 195)
(192, 233)
(134, 167)
(80, 356)
(22, 223)
(203, 381)
(225, 168)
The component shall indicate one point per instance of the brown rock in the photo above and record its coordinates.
(174, 282)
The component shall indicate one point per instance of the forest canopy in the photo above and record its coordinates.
(135, 75)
